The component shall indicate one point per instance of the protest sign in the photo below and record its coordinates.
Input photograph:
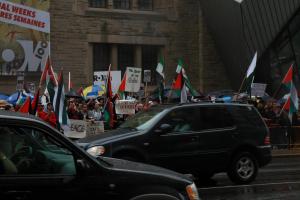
(133, 79)
(94, 128)
(76, 129)
(100, 78)
(258, 89)
(147, 76)
(125, 107)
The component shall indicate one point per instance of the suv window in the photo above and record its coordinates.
(214, 117)
(182, 120)
(30, 151)
(246, 116)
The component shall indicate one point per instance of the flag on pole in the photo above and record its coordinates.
(183, 95)
(288, 78)
(188, 84)
(160, 67)
(59, 103)
(250, 74)
(35, 102)
(179, 66)
(70, 84)
(291, 105)
(48, 76)
(109, 109)
(161, 79)
(26, 107)
(121, 90)
(179, 87)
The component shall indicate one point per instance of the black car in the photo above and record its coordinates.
(201, 138)
(38, 162)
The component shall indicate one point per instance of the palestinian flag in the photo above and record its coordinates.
(288, 78)
(26, 107)
(48, 76)
(179, 66)
(59, 103)
(161, 79)
(179, 87)
(188, 84)
(291, 105)
(109, 108)
(35, 102)
(250, 75)
(121, 90)
(70, 84)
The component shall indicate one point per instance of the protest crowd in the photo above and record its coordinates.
(100, 106)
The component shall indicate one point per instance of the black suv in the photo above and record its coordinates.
(201, 138)
(38, 162)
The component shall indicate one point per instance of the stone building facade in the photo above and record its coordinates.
(88, 35)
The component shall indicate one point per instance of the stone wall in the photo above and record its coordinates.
(176, 25)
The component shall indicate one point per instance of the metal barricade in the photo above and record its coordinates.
(283, 137)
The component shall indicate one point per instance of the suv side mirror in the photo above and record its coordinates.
(164, 128)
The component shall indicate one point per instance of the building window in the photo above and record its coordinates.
(150, 60)
(98, 3)
(125, 57)
(145, 4)
(122, 4)
(101, 57)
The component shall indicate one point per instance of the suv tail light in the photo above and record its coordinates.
(267, 140)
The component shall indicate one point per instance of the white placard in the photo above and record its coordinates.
(133, 79)
(94, 128)
(81, 128)
(258, 89)
(125, 107)
(101, 76)
(24, 16)
(76, 129)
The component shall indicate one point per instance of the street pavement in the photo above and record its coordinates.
(278, 180)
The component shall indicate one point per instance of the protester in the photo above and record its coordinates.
(50, 116)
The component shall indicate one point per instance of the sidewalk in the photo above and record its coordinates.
(286, 152)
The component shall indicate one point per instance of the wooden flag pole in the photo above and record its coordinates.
(242, 85)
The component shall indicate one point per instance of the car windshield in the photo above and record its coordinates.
(144, 119)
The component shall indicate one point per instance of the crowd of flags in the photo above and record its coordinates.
(181, 86)
(291, 105)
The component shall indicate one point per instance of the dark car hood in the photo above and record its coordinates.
(107, 136)
(132, 170)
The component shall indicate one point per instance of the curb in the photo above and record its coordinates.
(256, 189)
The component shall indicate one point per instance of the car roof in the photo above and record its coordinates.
(21, 116)
(213, 104)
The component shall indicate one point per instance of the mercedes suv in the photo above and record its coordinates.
(200, 139)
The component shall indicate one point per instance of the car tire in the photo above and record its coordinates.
(243, 168)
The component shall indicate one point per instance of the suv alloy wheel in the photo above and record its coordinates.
(243, 168)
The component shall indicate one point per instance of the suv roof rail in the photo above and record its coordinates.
(210, 101)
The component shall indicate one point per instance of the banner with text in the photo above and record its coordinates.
(133, 79)
(125, 107)
(24, 36)
(101, 77)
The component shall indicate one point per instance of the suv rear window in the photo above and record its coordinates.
(246, 115)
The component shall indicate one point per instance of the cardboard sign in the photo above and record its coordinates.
(147, 76)
(133, 79)
(101, 77)
(80, 128)
(76, 129)
(94, 128)
(258, 89)
(125, 107)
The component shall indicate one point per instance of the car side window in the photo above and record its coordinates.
(215, 117)
(25, 151)
(181, 120)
